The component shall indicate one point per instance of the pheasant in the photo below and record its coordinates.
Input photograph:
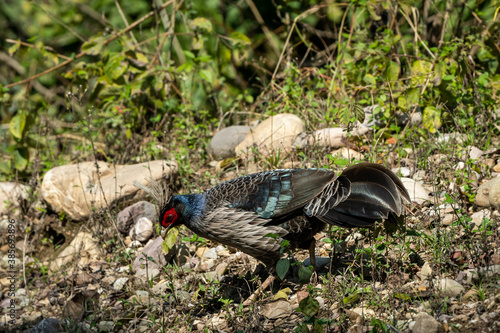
(294, 204)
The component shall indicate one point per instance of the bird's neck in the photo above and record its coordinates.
(191, 207)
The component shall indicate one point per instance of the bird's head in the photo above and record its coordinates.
(169, 216)
(160, 192)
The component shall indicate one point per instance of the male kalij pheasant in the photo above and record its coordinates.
(292, 203)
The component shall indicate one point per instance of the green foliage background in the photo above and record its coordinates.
(141, 83)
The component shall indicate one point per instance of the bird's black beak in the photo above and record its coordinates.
(168, 228)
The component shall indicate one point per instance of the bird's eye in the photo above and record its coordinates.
(169, 218)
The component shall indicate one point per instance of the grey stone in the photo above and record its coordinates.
(145, 268)
(320, 262)
(48, 325)
(224, 142)
(77, 189)
(142, 230)
(425, 323)
(160, 289)
(129, 216)
(472, 275)
(106, 326)
(478, 217)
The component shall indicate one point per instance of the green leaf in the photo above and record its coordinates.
(21, 157)
(240, 38)
(432, 119)
(420, 69)
(14, 47)
(351, 298)
(309, 306)
(94, 45)
(392, 71)
(413, 96)
(5, 167)
(305, 274)
(170, 240)
(207, 75)
(282, 267)
(334, 12)
(202, 23)
(116, 66)
(370, 79)
(17, 124)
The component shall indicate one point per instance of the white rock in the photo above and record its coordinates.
(449, 287)
(327, 137)
(405, 171)
(348, 153)
(474, 153)
(123, 269)
(82, 250)
(478, 217)
(426, 271)
(76, 189)
(142, 230)
(488, 194)
(419, 175)
(457, 138)
(142, 296)
(135, 244)
(210, 254)
(10, 193)
(120, 283)
(417, 192)
(276, 133)
(425, 323)
(364, 312)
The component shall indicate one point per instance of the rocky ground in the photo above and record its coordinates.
(101, 267)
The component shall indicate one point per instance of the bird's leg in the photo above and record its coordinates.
(259, 290)
(312, 253)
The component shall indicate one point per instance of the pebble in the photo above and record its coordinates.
(106, 326)
(449, 287)
(120, 283)
(210, 254)
(142, 296)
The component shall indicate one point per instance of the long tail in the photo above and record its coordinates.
(374, 193)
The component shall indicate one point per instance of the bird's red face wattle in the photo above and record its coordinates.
(169, 218)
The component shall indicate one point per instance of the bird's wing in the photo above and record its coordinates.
(272, 194)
